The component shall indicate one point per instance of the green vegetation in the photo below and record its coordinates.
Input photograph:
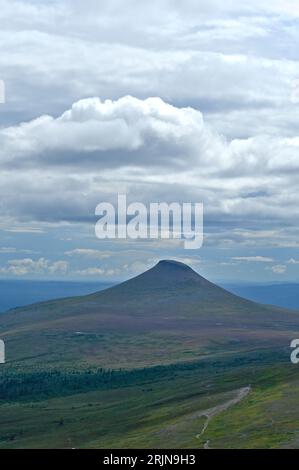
(156, 407)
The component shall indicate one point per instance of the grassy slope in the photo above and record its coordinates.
(160, 411)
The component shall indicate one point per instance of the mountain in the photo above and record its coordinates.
(169, 313)
(164, 360)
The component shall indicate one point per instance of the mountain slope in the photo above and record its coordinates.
(167, 314)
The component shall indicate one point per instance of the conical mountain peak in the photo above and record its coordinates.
(166, 274)
(169, 286)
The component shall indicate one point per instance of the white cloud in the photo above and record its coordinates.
(256, 259)
(234, 61)
(89, 253)
(92, 271)
(25, 266)
(58, 267)
(23, 229)
(11, 249)
(279, 269)
(64, 166)
(149, 132)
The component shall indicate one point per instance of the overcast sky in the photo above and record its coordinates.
(165, 101)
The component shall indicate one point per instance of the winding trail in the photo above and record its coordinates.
(216, 410)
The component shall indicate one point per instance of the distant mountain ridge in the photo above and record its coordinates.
(285, 295)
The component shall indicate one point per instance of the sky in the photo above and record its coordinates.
(190, 101)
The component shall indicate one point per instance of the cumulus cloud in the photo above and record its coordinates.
(25, 266)
(148, 149)
(279, 269)
(132, 132)
(125, 132)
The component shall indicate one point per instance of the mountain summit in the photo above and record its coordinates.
(176, 271)
(167, 273)
(169, 278)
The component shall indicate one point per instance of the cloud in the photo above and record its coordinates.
(54, 54)
(65, 166)
(91, 271)
(130, 268)
(25, 266)
(283, 237)
(256, 259)
(11, 249)
(279, 269)
(149, 132)
(293, 261)
(24, 230)
(89, 253)
(58, 267)
(220, 127)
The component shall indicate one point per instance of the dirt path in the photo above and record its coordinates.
(216, 410)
